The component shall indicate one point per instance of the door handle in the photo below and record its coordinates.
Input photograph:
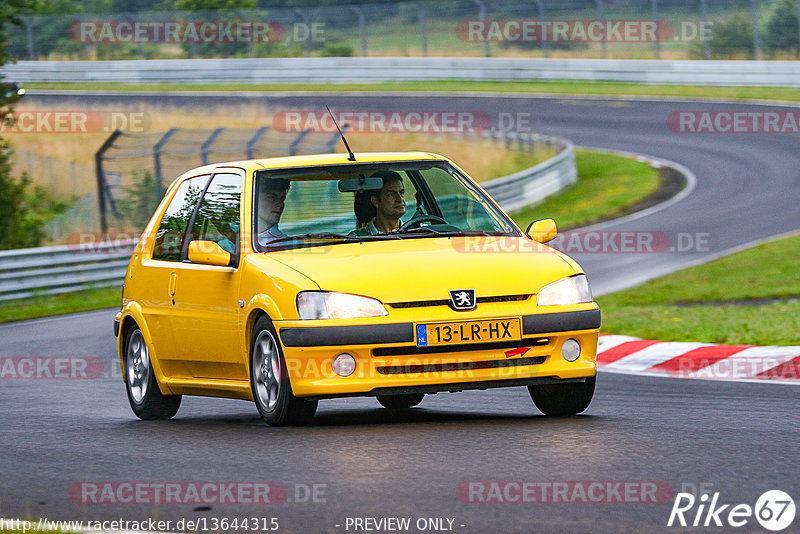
(173, 282)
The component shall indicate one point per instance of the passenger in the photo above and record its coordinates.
(271, 198)
(389, 205)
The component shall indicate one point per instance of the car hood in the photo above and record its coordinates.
(425, 269)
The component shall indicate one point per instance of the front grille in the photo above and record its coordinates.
(439, 349)
(463, 366)
(446, 302)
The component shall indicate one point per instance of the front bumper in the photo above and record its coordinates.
(389, 362)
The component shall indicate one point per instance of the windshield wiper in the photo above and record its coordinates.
(451, 233)
(317, 235)
(425, 229)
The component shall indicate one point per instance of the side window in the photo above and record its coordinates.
(218, 214)
(175, 221)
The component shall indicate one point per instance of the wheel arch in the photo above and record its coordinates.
(132, 316)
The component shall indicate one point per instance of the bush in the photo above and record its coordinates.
(782, 32)
(731, 37)
(24, 210)
(140, 200)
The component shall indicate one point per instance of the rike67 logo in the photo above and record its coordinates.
(774, 510)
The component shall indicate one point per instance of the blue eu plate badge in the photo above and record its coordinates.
(422, 335)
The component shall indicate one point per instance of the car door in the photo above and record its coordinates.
(160, 269)
(207, 318)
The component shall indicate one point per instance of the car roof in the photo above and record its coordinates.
(316, 159)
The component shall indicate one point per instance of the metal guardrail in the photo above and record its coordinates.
(530, 186)
(365, 69)
(61, 269)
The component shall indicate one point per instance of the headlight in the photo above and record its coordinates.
(324, 305)
(572, 290)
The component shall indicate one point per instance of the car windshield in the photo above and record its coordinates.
(333, 204)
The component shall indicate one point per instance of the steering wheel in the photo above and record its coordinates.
(417, 221)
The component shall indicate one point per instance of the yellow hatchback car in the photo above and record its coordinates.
(289, 280)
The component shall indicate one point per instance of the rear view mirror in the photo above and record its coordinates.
(351, 185)
(542, 231)
(208, 253)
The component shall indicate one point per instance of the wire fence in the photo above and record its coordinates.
(134, 169)
(696, 29)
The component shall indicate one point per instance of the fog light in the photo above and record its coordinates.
(344, 365)
(570, 350)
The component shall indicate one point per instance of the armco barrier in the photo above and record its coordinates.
(379, 69)
(61, 269)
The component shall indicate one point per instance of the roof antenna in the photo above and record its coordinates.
(351, 157)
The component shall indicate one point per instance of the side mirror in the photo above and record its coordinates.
(208, 253)
(542, 231)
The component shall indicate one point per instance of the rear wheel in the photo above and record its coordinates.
(145, 398)
(269, 380)
(396, 402)
(563, 399)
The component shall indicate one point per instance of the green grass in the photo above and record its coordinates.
(554, 87)
(764, 272)
(607, 184)
(45, 306)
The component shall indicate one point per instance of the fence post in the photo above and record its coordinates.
(423, 28)
(482, 17)
(206, 146)
(307, 21)
(654, 11)
(756, 31)
(331, 144)
(28, 36)
(704, 20)
(157, 159)
(601, 15)
(297, 140)
(542, 16)
(253, 140)
(101, 179)
(362, 28)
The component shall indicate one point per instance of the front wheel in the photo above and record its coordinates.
(398, 402)
(145, 398)
(563, 399)
(269, 381)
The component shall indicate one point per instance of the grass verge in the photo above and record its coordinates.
(607, 185)
(719, 302)
(46, 305)
(533, 87)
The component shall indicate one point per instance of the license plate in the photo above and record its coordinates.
(468, 332)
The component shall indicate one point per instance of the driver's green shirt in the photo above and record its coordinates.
(369, 229)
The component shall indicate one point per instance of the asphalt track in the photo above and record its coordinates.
(738, 438)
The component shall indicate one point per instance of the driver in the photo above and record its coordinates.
(389, 203)
(271, 198)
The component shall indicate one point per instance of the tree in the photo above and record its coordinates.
(782, 32)
(23, 211)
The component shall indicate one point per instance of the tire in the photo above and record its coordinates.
(144, 395)
(269, 380)
(398, 402)
(563, 399)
